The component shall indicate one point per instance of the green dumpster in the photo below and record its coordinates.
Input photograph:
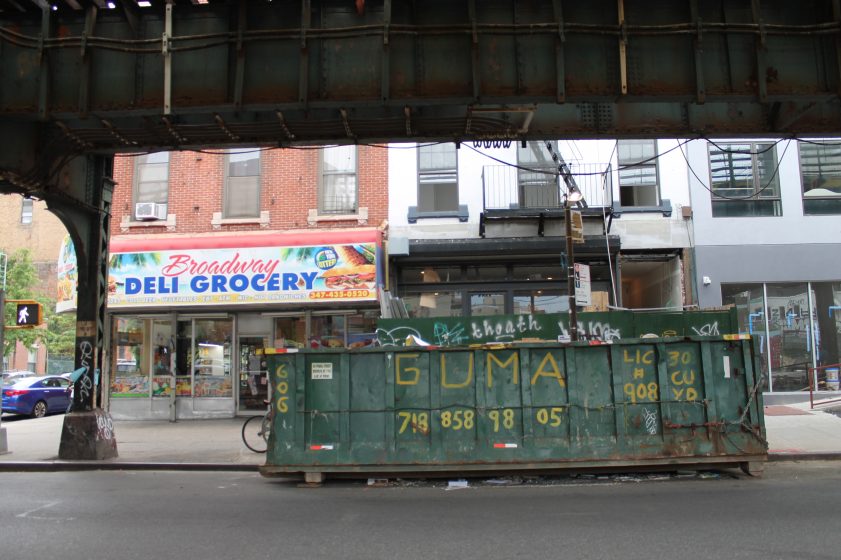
(630, 404)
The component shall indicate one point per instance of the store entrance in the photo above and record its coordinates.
(253, 378)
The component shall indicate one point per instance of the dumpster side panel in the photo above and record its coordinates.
(371, 393)
(324, 381)
(633, 402)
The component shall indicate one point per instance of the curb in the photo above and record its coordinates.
(70, 466)
(66, 466)
(810, 456)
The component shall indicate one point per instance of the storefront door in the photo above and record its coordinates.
(253, 381)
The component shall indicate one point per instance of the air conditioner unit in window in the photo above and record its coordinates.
(150, 211)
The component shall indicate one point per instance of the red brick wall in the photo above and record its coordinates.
(288, 190)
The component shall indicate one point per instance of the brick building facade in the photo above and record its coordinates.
(216, 254)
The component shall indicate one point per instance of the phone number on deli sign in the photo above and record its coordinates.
(340, 294)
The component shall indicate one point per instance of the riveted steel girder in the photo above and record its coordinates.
(181, 74)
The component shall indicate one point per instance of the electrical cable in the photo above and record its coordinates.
(604, 225)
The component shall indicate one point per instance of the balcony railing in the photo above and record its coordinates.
(508, 188)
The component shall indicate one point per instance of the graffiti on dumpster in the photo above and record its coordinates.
(650, 421)
(593, 326)
(710, 329)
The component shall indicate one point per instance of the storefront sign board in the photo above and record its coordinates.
(246, 271)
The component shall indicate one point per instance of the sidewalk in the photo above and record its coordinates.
(794, 433)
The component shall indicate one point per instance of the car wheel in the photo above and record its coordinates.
(39, 410)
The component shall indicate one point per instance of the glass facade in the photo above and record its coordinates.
(797, 326)
(490, 289)
(744, 180)
(820, 172)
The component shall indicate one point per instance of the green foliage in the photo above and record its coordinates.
(21, 280)
(59, 334)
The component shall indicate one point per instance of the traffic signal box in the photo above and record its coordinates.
(28, 314)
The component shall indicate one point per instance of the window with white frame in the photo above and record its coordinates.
(437, 178)
(820, 172)
(638, 177)
(744, 179)
(242, 184)
(26, 211)
(537, 178)
(151, 179)
(338, 192)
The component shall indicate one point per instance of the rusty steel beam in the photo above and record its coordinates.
(454, 70)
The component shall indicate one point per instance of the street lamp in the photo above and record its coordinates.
(573, 195)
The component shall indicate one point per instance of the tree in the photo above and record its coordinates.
(21, 279)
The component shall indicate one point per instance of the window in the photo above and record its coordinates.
(820, 172)
(437, 178)
(539, 188)
(744, 180)
(151, 182)
(638, 173)
(338, 194)
(26, 211)
(242, 185)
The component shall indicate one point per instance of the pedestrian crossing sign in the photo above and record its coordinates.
(28, 315)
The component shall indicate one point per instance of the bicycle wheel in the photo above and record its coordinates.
(254, 434)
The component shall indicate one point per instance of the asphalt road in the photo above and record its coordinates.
(790, 513)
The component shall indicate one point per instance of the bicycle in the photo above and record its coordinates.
(256, 430)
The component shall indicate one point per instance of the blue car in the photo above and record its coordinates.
(37, 396)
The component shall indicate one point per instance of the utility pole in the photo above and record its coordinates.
(573, 195)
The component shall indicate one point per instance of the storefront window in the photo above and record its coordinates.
(538, 273)
(290, 332)
(128, 378)
(540, 301)
(790, 336)
(487, 273)
(203, 358)
(362, 329)
(327, 331)
(184, 359)
(827, 301)
(804, 329)
(430, 274)
(213, 358)
(162, 348)
(750, 310)
(433, 304)
(487, 304)
(142, 357)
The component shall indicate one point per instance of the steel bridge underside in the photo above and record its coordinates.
(80, 81)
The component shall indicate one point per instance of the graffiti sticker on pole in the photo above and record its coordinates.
(582, 285)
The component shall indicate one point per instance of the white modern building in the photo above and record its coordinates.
(478, 228)
(767, 237)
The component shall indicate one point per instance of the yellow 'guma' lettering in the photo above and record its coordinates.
(515, 359)
(554, 372)
(281, 371)
(400, 370)
(467, 379)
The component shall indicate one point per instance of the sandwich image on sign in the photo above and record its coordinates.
(356, 270)
(340, 278)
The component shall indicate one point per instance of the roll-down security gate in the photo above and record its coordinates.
(630, 404)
